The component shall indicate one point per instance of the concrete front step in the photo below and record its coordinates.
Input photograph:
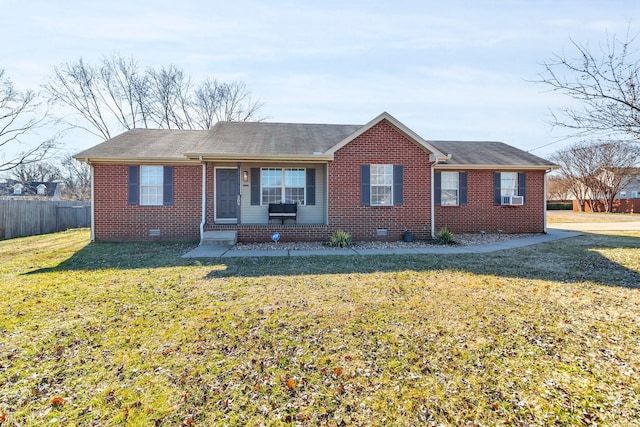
(222, 237)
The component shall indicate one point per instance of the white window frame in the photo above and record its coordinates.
(283, 187)
(151, 185)
(41, 190)
(17, 189)
(448, 183)
(380, 178)
(506, 191)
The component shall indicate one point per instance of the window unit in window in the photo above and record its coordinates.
(509, 188)
(17, 190)
(41, 190)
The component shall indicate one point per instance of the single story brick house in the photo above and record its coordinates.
(374, 181)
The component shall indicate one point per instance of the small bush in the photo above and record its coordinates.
(445, 237)
(339, 239)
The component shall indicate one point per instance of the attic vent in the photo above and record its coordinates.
(382, 232)
(154, 232)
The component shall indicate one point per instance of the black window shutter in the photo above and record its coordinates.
(255, 186)
(522, 184)
(365, 186)
(497, 200)
(167, 193)
(437, 188)
(398, 172)
(311, 187)
(134, 185)
(462, 188)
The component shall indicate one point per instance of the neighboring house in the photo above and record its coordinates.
(12, 189)
(632, 189)
(373, 181)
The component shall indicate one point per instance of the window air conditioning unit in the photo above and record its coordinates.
(513, 200)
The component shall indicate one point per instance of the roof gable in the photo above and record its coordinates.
(394, 123)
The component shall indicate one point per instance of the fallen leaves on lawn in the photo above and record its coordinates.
(57, 401)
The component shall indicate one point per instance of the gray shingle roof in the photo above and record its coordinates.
(261, 140)
(226, 138)
(488, 153)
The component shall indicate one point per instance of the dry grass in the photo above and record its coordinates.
(131, 334)
(556, 217)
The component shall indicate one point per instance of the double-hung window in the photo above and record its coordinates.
(283, 185)
(381, 185)
(509, 184)
(509, 188)
(450, 189)
(151, 185)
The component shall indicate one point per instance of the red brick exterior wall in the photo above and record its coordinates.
(619, 206)
(480, 214)
(382, 144)
(115, 220)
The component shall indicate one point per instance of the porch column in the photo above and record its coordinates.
(239, 197)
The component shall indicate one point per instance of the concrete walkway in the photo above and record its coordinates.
(224, 252)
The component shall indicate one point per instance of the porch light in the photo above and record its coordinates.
(245, 176)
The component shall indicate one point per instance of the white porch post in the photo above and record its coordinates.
(204, 199)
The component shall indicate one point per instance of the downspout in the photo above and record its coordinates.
(204, 199)
(544, 228)
(433, 205)
(93, 216)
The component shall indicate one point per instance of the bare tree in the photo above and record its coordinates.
(237, 105)
(596, 171)
(21, 116)
(76, 177)
(169, 102)
(43, 171)
(116, 95)
(558, 188)
(604, 82)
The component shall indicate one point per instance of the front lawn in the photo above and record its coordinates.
(131, 334)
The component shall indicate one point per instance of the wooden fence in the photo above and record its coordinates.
(30, 217)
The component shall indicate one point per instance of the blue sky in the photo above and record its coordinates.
(449, 70)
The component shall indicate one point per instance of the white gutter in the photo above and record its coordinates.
(93, 204)
(433, 205)
(204, 199)
(544, 228)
